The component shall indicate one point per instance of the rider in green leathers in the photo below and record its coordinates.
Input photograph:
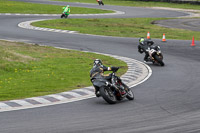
(66, 10)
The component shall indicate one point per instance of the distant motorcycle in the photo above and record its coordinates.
(115, 90)
(100, 2)
(155, 55)
(64, 15)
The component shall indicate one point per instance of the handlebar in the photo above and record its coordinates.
(115, 69)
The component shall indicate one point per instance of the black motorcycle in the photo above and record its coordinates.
(100, 2)
(114, 90)
(64, 15)
(155, 55)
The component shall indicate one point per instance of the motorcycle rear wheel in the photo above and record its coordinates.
(108, 95)
(130, 94)
(63, 16)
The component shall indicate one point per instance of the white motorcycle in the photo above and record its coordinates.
(155, 55)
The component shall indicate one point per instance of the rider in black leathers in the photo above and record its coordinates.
(144, 44)
(97, 71)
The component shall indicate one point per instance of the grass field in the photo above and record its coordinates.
(139, 3)
(32, 70)
(22, 7)
(122, 27)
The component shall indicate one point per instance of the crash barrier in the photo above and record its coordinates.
(197, 2)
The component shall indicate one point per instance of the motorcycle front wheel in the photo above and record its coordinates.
(108, 95)
(159, 60)
(66, 16)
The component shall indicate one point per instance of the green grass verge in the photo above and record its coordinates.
(32, 70)
(139, 3)
(22, 7)
(122, 27)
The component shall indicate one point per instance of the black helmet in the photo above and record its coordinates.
(141, 40)
(97, 62)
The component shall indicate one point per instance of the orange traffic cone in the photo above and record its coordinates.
(193, 44)
(163, 39)
(148, 35)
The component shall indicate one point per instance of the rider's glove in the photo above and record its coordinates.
(114, 68)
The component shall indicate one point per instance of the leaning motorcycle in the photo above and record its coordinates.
(65, 15)
(112, 91)
(100, 2)
(155, 55)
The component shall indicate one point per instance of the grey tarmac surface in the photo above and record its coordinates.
(189, 24)
(167, 102)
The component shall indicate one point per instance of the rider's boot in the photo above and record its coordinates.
(123, 92)
(146, 59)
(97, 94)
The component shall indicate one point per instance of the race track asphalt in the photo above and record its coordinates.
(168, 102)
(189, 24)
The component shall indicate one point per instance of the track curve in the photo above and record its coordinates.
(167, 102)
(189, 24)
